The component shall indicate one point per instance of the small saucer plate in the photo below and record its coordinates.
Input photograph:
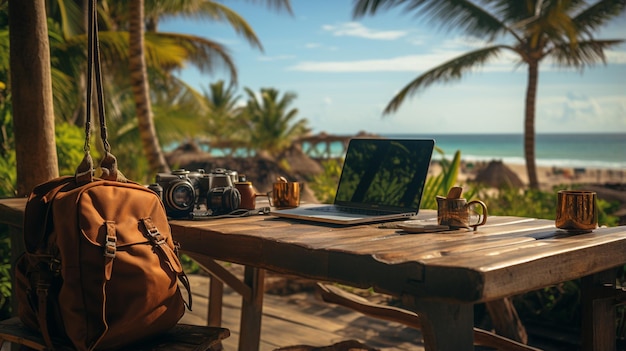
(416, 228)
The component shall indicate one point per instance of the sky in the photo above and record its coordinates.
(344, 71)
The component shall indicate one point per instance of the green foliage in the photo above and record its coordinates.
(325, 185)
(69, 140)
(189, 266)
(605, 213)
(8, 176)
(520, 202)
(440, 183)
(558, 304)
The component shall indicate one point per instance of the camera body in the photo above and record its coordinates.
(184, 191)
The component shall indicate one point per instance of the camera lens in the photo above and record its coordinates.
(180, 196)
(222, 200)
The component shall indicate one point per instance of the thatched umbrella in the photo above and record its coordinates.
(498, 175)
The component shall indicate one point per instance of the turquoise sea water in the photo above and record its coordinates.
(604, 151)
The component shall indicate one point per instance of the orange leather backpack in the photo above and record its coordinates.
(101, 269)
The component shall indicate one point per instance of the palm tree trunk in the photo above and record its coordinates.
(139, 82)
(31, 86)
(529, 124)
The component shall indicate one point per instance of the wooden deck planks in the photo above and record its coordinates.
(301, 318)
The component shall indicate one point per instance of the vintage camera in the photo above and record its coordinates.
(183, 192)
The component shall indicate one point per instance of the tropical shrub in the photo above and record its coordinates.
(324, 185)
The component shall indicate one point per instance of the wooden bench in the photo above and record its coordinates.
(183, 337)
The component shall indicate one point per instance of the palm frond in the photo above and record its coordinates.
(586, 53)
(371, 7)
(277, 5)
(163, 50)
(208, 10)
(458, 14)
(64, 95)
(448, 71)
(441, 183)
(71, 17)
(598, 14)
(205, 54)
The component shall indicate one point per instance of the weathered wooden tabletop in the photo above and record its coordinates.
(509, 255)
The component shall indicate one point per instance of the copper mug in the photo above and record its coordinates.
(458, 213)
(284, 194)
(576, 210)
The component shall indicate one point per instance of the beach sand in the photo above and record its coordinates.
(554, 176)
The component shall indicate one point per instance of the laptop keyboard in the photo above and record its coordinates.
(351, 210)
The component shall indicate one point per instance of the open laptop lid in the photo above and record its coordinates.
(385, 174)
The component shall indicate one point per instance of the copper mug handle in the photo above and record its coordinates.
(482, 218)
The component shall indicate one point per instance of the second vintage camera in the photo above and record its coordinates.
(184, 191)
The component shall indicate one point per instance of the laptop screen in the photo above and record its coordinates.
(384, 173)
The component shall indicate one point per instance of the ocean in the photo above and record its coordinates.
(593, 151)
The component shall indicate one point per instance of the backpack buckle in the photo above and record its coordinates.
(153, 232)
(110, 246)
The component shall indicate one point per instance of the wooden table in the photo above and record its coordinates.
(439, 275)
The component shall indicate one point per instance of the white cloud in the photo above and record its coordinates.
(617, 57)
(355, 29)
(463, 43)
(408, 63)
(312, 46)
(276, 58)
(505, 62)
(581, 112)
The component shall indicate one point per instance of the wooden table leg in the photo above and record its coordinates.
(216, 296)
(251, 290)
(445, 326)
(506, 321)
(252, 310)
(598, 296)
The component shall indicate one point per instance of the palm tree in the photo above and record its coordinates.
(31, 88)
(139, 73)
(223, 116)
(139, 81)
(539, 29)
(273, 126)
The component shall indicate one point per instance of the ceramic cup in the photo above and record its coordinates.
(576, 210)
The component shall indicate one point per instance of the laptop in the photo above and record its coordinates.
(381, 179)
